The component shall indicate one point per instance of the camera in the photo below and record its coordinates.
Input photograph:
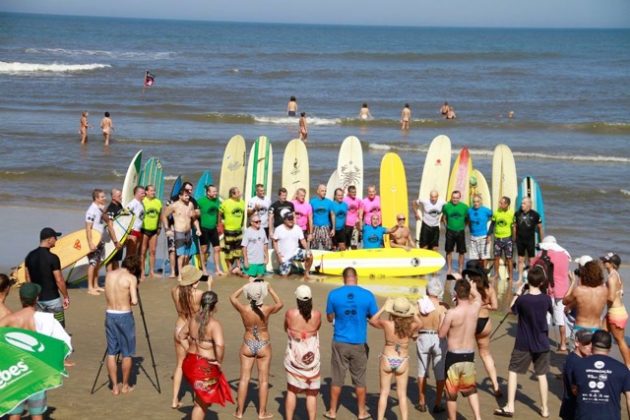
(577, 272)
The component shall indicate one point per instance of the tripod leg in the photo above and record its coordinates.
(499, 326)
(146, 332)
(98, 373)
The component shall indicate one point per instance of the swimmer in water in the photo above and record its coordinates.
(292, 107)
(107, 126)
(303, 127)
(364, 113)
(444, 108)
(405, 117)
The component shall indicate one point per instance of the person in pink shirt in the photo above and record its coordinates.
(371, 205)
(353, 217)
(560, 259)
(302, 211)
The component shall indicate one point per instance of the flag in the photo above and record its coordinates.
(149, 79)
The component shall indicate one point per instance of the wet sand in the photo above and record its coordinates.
(85, 321)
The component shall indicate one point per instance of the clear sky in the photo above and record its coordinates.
(476, 13)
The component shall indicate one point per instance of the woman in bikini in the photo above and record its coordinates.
(489, 302)
(302, 358)
(202, 364)
(186, 298)
(256, 347)
(617, 316)
(400, 329)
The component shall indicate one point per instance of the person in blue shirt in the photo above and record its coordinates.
(598, 381)
(322, 220)
(582, 349)
(373, 233)
(479, 218)
(349, 306)
(340, 209)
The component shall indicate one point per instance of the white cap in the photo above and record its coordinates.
(583, 260)
(303, 292)
(549, 240)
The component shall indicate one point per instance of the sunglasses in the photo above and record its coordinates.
(255, 221)
(400, 219)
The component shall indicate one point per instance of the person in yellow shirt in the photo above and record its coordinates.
(150, 229)
(233, 211)
(503, 228)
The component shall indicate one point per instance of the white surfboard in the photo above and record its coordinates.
(333, 184)
(436, 172)
(504, 181)
(131, 178)
(295, 168)
(350, 165)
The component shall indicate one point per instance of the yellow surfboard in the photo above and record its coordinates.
(460, 176)
(69, 248)
(393, 190)
(295, 169)
(504, 180)
(382, 262)
(233, 166)
(479, 185)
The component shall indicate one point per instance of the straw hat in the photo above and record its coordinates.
(190, 275)
(400, 307)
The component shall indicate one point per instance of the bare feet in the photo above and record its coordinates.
(172, 276)
(265, 416)
(127, 389)
(219, 273)
(93, 292)
(238, 416)
(100, 289)
(68, 363)
(115, 389)
(156, 275)
(176, 404)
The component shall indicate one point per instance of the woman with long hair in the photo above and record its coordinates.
(400, 329)
(475, 271)
(256, 347)
(302, 358)
(202, 364)
(617, 316)
(186, 298)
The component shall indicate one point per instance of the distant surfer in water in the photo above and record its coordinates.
(107, 126)
(303, 127)
(444, 109)
(292, 107)
(450, 114)
(405, 117)
(364, 113)
(83, 127)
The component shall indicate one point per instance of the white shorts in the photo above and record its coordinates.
(479, 248)
(431, 350)
(559, 317)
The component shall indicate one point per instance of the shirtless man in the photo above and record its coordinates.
(303, 127)
(292, 107)
(405, 117)
(450, 114)
(459, 327)
(5, 287)
(444, 108)
(83, 127)
(107, 126)
(184, 215)
(120, 329)
(401, 237)
(589, 298)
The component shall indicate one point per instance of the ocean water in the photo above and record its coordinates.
(568, 90)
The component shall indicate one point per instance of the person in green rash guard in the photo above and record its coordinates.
(454, 216)
(504, 230)
(150, 229)
(233, 211)
(210, 219)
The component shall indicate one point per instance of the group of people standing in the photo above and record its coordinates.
(107, 126)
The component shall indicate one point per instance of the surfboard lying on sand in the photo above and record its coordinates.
(437, 167)
(350, 165)
(122, 226)
(152, 174)
(295, 168)
(233, 166)
(460, 176)
(383, 262)
(69, 248)
(131, 178)
(393, 190)
(273, 265)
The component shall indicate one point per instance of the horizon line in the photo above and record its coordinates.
(358, 25)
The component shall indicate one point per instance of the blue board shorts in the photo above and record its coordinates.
(36, 404)
(120, 331)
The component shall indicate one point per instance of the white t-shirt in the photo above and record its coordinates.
(263, 209)
(94, 215)
(255, 240)
(136, 208)
(431, 212)
(45, 323)
(288, 240)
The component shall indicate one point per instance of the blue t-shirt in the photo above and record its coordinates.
(352, 306)
(567, 408)
(600, 382)
(479, 219)
(321, 211)
(373, 236)
(532, 330)
(341, 211)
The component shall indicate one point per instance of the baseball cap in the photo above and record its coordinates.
(611, 257)
(286, 214)
(583, 260)
(303, 292)
(48, 232)
(29, 292)
(602, 340)
(474, 268)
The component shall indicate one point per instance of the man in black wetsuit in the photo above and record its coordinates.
(528, 223)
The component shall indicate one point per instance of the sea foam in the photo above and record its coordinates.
(17, 68)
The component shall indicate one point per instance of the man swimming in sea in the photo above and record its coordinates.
(107, 126)
(303, 127)
(405, 117)
(83, 128)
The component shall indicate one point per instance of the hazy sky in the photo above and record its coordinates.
(487, 13)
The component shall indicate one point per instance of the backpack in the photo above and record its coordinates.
(546, 264)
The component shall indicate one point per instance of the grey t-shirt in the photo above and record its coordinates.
(431, 212)
(255, 240)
